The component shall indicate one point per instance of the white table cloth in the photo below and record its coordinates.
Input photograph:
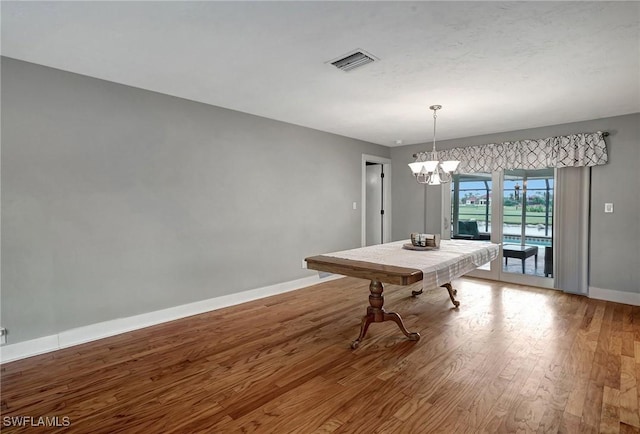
(453, 259)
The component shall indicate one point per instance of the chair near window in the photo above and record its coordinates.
(468, 230)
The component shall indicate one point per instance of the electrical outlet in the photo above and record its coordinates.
(3, 335)
(608, 207)
(304, 264)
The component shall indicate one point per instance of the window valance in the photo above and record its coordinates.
(576, 150)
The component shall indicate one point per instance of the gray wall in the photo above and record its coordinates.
(614, 238)
(118, 201)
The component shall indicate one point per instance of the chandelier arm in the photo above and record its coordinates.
(445, 176)
(423, 178)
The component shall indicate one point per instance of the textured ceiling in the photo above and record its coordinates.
(493, 66)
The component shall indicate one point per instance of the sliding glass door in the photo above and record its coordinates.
(527, 222)
(513, 208)
(471, 208)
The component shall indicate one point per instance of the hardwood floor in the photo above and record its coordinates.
(510, 359)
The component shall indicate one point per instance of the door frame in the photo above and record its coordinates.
(386, 197)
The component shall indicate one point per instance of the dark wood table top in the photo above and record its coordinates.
(365, 270)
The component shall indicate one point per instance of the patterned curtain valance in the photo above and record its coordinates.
(576, 150)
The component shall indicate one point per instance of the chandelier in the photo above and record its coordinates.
(433, 171)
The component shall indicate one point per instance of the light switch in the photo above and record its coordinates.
(608, 207)
(355, 205)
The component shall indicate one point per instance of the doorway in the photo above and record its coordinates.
(514, 208)
(376, 200)
(528, 222)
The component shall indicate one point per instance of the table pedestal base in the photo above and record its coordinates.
(450, 289)
(376, 313)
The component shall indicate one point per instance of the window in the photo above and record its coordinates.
(471, 206)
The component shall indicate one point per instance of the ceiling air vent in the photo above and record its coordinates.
(353, 61)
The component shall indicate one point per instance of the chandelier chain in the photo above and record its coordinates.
(435, 117)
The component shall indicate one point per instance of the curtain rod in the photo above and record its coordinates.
(604, 134)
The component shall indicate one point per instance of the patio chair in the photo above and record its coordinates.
(468, 230)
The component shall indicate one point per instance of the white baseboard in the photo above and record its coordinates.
(29, 348)
(632, 298)
(117, 326)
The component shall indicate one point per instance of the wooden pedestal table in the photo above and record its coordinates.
(398, 263)
(377, 274)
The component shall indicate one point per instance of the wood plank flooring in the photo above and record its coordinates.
(510, 359)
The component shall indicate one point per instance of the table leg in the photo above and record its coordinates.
(376, 313)
(449, 288)
(452, 293)
(523, 259)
